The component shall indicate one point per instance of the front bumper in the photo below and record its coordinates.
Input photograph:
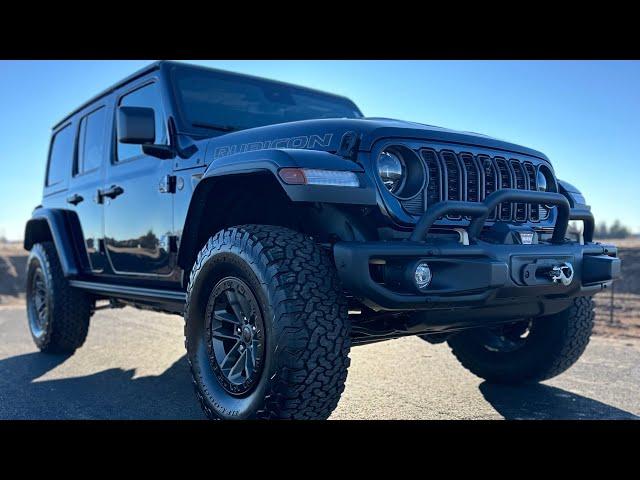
(480, 274)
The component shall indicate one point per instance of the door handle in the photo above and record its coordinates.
(112, 192)
(75, 199)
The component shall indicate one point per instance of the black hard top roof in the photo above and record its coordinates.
(115, 86)
(156, 66)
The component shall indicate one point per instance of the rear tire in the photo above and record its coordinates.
(58, 314)
(273, 295)
(549, 347)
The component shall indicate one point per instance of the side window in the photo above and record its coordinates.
(149, 97)
(60, 157)
(91, 141)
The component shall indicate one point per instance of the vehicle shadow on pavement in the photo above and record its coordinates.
(110, 394)
(544, 402)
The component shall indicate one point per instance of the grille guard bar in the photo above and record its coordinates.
(479, 212)
(589, 222)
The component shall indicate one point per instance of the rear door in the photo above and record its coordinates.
(138, 220)
(87, 177)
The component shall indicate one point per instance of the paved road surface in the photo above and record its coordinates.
(133, 367)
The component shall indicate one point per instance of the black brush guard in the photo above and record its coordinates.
(481, 274)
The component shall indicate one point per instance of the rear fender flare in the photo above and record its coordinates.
(56, 226)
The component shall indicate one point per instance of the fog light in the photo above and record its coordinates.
(422, 275)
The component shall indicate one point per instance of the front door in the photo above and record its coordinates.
(138, 216)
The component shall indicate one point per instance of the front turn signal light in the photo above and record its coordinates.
(313, 176)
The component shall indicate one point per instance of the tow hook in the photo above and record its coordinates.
(562, 273)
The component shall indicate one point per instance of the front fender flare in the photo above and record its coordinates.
(272, 160)
(269, 162)
(575, 196)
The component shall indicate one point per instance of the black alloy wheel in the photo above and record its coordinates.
(37, 297)
(235, 335)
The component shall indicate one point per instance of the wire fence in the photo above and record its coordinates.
(606, 306)
(618, 309)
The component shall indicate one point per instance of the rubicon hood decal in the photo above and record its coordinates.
(312, 142)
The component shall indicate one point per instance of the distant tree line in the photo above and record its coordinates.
(616, 230)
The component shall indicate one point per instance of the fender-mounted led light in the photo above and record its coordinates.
(312, 176)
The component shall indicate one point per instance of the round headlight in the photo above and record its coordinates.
(546, 182)
(542, 181)
(391, 169)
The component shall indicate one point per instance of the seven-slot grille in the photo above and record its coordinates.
(491, 179)
(506, 181)
(521, 183)
(467, 177)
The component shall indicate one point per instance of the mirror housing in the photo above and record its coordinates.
(136, 125)
(163, 152)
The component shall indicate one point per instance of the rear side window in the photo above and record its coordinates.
(91, 141)
(60, 157)
(149, 97)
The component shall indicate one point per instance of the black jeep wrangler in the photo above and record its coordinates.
(287, 227)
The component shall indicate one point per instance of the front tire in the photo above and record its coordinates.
(266, 326)
(530, 350)
(58, 314)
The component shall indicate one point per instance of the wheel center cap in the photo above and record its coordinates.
(247, 334)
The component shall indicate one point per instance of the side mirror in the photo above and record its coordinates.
(136, 125)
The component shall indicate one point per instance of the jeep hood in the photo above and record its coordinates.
(326, 134)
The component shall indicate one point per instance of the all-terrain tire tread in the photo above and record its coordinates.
(571, 334)
(311, 321)
(70, 308)
(579, 326)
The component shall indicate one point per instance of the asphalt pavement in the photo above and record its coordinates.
(132, 366)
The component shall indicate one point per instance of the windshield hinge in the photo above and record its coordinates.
(349, 145)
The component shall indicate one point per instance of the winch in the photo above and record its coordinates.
(544, 271)
(562, 273)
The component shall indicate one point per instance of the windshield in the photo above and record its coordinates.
(228, 102)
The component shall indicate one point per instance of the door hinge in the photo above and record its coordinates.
(169, 243)
(173, 244)
(167, 184)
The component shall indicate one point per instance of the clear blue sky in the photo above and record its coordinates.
(584, 115)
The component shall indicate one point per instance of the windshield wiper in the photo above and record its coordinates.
(220, 128)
